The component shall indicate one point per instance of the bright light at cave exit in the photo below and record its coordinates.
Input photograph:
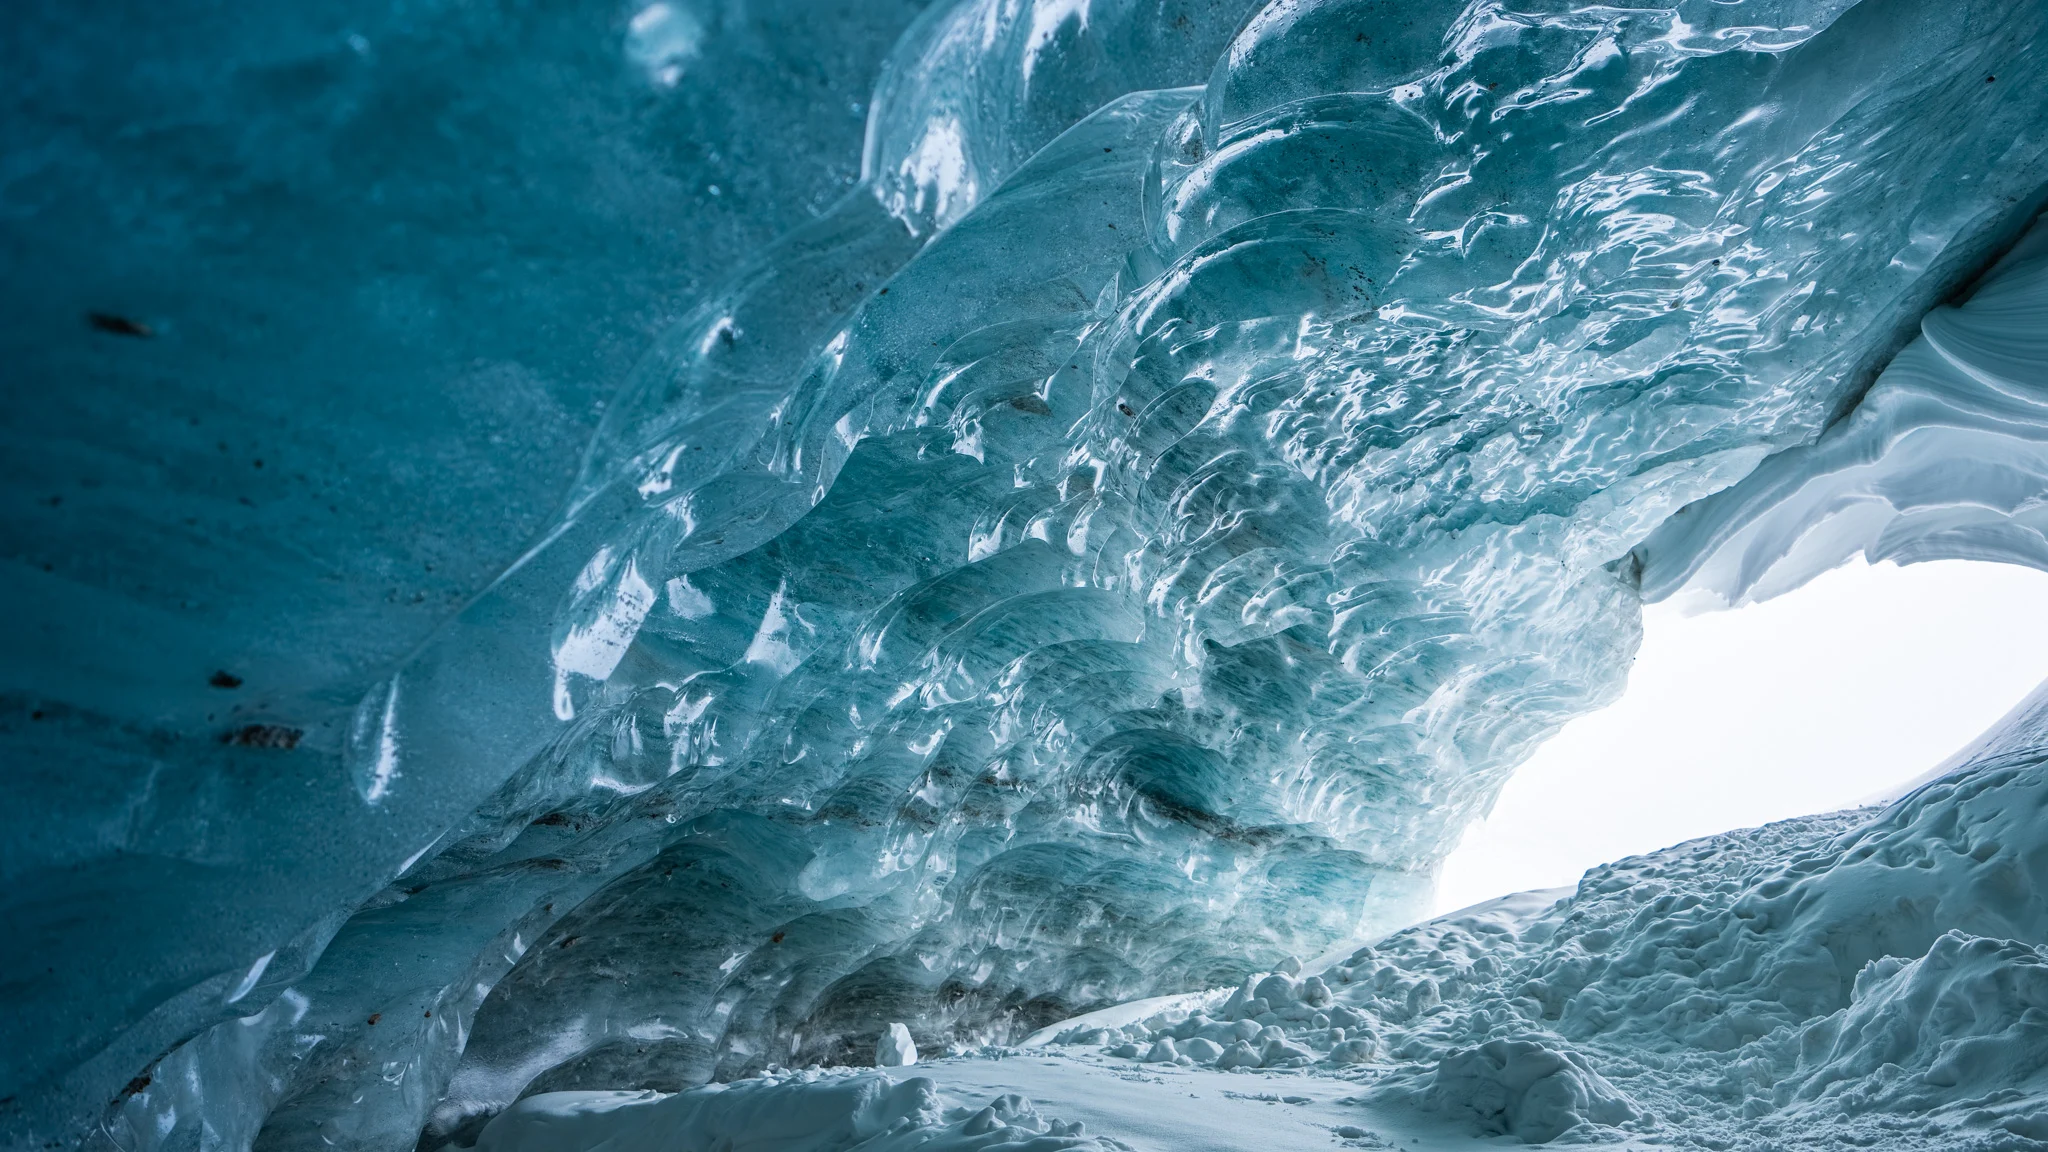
(1832, 695)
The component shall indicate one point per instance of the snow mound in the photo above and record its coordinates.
(1964, 1026)
(1531, 1088)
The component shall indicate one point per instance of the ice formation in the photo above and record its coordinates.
(1943, 457)
(896, 1048)
(1117, 545)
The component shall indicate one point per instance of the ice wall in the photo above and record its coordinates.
(383, 263)
(381, 269)
(1120, 542)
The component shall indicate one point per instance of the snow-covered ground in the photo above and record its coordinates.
(1038, 1100)
(1867, 978)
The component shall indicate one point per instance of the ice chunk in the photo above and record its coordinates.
(1354, 1050)
(895, 1049)
(1275, 990)
(1280, 1052)
(1239, 1055)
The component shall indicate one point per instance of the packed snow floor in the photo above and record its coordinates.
(1036, 1100)
(1871, 978)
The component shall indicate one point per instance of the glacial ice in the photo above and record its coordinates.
(1942, 458)
(1119, 544)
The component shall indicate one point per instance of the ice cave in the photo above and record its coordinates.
(869, 575)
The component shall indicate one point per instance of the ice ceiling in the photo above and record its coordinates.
(1117, 538)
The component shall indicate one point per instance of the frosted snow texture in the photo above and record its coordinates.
(1120, 543)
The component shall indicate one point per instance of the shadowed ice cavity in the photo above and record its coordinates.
(1046, 581)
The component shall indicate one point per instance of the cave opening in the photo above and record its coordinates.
(1843, 692)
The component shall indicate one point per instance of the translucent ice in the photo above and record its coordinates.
(1119, 544)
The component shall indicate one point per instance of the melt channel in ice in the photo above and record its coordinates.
(1121, 544)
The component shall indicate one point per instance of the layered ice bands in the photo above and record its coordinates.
(1121, 543)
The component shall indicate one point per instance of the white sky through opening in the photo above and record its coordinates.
(1823, 698)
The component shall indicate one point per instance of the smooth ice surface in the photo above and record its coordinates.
(1118, 543)
(1849, 687)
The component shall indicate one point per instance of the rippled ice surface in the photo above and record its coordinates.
(1121, 543)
